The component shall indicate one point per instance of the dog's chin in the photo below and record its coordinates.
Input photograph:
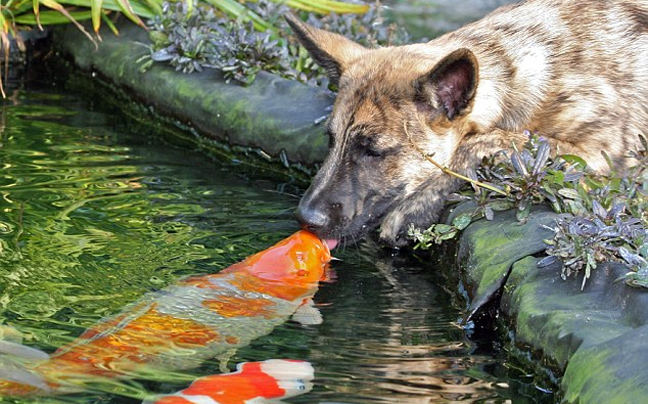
(351, 234)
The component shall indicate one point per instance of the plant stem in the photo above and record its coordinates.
(446, 170)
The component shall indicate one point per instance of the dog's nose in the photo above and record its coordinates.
(311, 219)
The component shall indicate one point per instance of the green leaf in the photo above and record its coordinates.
(442, 228)
(448, 236)
(51, 17)
(95, 7)
(139, 8)
(556, 177)
(573, 159)
(462, 221)
(569, 193)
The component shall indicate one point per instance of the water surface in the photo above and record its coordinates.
(95, 211)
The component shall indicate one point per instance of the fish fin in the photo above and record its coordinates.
(11, 345)
(16, 373)
(20, 351)
(307, 314)
(224, 359)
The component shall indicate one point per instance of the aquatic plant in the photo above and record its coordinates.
(604, 217)
(194, 38)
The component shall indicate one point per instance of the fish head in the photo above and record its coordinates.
(294, 377)
(300, 260)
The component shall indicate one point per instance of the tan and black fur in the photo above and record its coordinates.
(574, 71)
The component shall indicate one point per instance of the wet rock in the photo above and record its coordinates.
(274, 115)
(596, 337)
(488, 250)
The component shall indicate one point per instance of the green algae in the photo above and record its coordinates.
(488, 249)
(609, 373)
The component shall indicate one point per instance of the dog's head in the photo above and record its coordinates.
(389, 100)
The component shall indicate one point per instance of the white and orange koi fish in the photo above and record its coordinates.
(198, 318)
(253, 382)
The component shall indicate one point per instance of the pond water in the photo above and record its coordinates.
(431, 18)
(96, 211)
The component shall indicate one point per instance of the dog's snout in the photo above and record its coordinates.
(311, 218)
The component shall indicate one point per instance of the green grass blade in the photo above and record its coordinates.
(127, 9)
(4, 43)
(95, 8)
(54, 5)
(36, 8)
(237, 10)
(138, 8)
(21, 7)
(156, 6)
(4, 24)
(53, 17)
(327, 6)
(109, 23)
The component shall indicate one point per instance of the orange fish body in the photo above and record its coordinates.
(195, 319)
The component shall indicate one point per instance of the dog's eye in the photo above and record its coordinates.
(368, 149)
(369, 152)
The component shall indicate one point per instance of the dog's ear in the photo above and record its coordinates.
(451, 84)
(331, 51)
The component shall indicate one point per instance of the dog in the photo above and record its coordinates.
(573, 71)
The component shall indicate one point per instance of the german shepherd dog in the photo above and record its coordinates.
(573, 71)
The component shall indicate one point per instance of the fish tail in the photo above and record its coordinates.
(16, 361)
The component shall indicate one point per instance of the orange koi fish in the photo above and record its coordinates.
(198, 318)
(251, 383)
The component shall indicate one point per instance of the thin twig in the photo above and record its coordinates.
(446, 170)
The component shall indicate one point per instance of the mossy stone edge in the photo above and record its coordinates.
(596, 337)
(275, 115)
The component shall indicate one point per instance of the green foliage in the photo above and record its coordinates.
(15, 15)
(438, 233)
(204, 37)
(607, 222)
(245, 50)
(603, 217)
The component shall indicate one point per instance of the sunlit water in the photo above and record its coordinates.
(95, 211)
